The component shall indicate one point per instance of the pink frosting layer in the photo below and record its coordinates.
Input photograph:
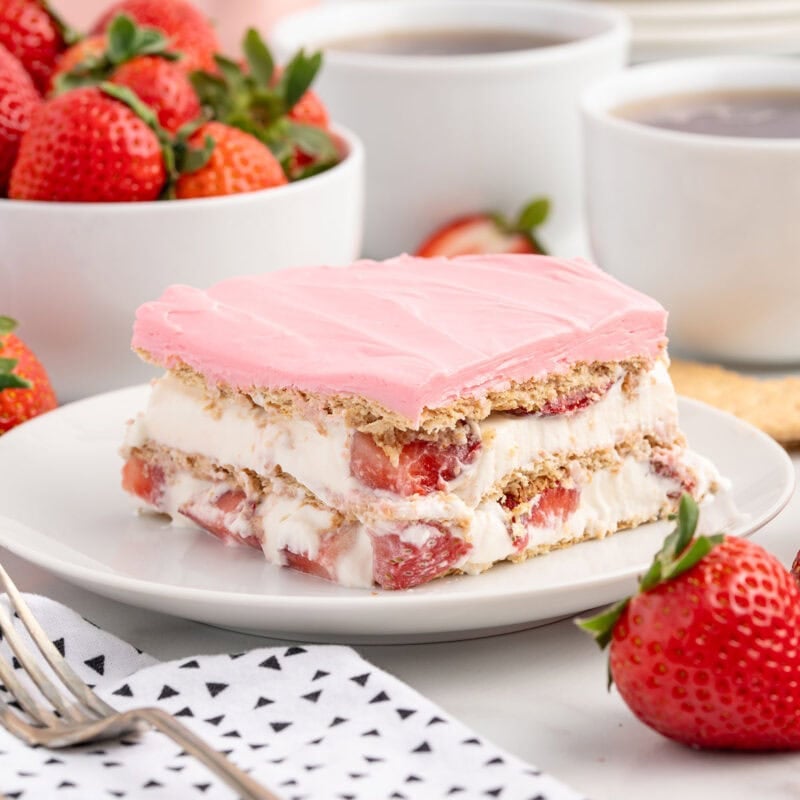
(408, 333)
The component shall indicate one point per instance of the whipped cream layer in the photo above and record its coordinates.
(285, 525)
(407, 333)
(235, 433)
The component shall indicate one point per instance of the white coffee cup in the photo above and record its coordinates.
(708, 225)
(449, 135)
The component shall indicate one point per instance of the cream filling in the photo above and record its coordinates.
(317, 454)
(626, 492)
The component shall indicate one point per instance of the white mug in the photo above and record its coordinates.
(706, 224)
(450, 135)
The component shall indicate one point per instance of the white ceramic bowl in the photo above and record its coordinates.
(705, 224)
(73, 274)
(457, 134)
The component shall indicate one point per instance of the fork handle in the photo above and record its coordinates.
(247, 788)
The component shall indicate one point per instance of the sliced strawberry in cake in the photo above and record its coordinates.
(388, 424)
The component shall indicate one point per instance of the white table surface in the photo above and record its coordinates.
(539, 694)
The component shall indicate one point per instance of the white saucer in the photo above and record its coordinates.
(64, 511)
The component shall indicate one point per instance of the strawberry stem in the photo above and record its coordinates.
(680, 552)
(8, 379)
(125, 41)
(252, 100)
(533, 215)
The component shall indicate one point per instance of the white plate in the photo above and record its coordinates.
(64, 510)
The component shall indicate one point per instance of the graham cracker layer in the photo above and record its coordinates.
(371, 417)
(515, 490)
(519, 493)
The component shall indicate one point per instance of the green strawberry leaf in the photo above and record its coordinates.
(283, 152)
(251, 100)
(212, 91)
(309, 171)
(191, 159)
(697, 550)
(121, 36)
(680, 552)
(126, 40)
(8, 378)
(231, 73)
(297, 78)
(12, 381)
(312, 141)
(258, 56)
(7, 324)
(533, 215)
(601, 626)
(136, 104)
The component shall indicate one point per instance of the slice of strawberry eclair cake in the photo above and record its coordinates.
(390, 423)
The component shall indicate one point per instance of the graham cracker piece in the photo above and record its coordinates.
(385, 425)
(771, 405)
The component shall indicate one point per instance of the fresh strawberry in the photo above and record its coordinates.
(18, 101)
(238, 163)
(188, 30)
(136, 57)
(99, 144)
(86, 146)
(31, 31)
(401, 564)
(476, 234)
(708, 651)
(275, 105)
(25, 389)
(422, 467)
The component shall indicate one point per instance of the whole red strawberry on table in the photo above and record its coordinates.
(146, 108)
(708, 651)
(25, 389)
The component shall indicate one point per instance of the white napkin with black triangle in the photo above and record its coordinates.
(312, 722)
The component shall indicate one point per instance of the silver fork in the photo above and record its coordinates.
(84, 717)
